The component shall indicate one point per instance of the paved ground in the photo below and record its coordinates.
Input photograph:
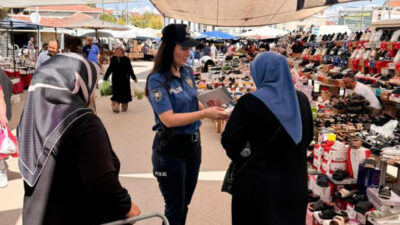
(131, 137)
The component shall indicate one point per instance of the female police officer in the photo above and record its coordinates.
(172, 93)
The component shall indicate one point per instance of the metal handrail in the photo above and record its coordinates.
(139, 218)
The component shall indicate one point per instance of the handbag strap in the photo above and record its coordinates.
(257, 153)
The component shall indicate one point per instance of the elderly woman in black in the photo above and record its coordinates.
(69, 169)
(121, 68)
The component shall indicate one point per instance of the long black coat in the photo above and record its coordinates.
(122, 71)
(272, 189)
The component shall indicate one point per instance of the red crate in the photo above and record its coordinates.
(384, 45)
(26, 79)
(398, 66)
(396, 45)
(382, 64)
(11, 73)
(18, 88)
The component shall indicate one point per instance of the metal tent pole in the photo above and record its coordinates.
(12, 43)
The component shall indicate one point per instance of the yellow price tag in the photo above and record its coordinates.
(331, 137)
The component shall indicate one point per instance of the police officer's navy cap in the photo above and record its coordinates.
(179, 34)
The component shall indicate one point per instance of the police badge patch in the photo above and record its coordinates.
(189, 82)
(156, 95)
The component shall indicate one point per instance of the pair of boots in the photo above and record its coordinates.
(116, 106)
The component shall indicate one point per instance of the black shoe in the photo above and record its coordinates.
(370, 163)
(363, 206)
(384, 192)
(327, 214)
(322, 180)
(340, 175)
(356, 198)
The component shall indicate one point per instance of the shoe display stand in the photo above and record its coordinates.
(233, 75)
(382, 72)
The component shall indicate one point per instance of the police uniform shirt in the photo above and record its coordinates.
(179, 95)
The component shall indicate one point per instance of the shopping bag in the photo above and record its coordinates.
(138, 92)
(8, 142)
(106, 89)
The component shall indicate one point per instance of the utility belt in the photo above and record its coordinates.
(194, 137)
(170, 142)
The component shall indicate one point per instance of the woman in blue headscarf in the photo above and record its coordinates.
(266, 137)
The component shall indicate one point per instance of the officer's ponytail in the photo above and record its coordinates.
(162, 62)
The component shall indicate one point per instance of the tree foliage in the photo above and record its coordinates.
(147, 20)
(3, 13)
(143, 21)
(108, 18)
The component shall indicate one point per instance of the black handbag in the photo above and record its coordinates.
(233, 170)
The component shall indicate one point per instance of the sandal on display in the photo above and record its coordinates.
(327, 214)
(320, 206)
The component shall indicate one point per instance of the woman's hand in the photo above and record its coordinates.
(3, 121)
(215, 113)
(135, 211)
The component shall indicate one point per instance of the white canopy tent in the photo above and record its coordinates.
(331, 29)
(241, 13)
(140, 33)
(264, 33)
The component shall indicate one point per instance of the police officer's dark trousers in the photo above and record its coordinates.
(177, 168)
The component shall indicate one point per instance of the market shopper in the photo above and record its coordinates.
(276, 124)
(52, 50)
(354, 86)
(69, 169)
(91, 51)
(31, 48)
(213, 51)
(206, 50)
(172, 93)
(121, 69)
(5, 116)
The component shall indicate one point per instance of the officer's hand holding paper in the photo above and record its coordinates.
(219, 97)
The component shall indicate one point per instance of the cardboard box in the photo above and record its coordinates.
(340, 204)
(325, 193)
(384, 222)
(337, 156)
(331, 167)
(351, 212)
(362, 218)
(309, 217)
(372, 194)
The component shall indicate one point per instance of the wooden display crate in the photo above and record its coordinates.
(136, 55)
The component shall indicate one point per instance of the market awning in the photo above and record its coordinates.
(216, 35)
(27, 3)
(18, 24)
(241, 13)
(264, 33)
